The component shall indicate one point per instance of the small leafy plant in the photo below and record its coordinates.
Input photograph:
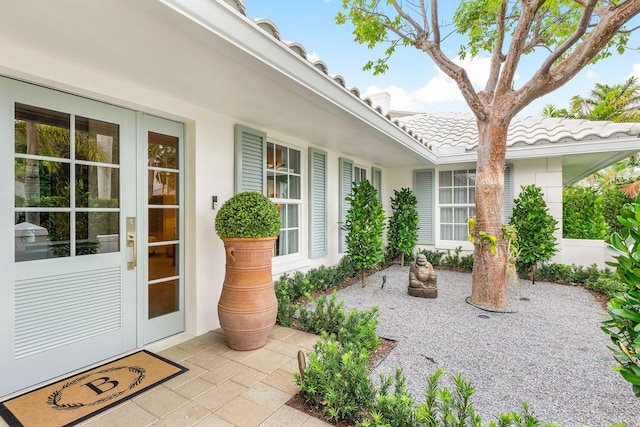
(535, 226)
(364, 225)
(582, 214)
(623, 324)
(402, 233)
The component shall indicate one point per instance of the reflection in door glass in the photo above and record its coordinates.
(163, 219)
(49, 204)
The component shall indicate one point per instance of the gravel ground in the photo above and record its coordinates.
(549, 353)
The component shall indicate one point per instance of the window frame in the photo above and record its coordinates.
(282, 202)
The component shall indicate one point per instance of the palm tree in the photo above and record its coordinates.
(617, 103)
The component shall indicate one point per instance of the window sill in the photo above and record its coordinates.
(453, 244)
(287, 263)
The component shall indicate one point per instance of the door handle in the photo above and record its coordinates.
(131, 241)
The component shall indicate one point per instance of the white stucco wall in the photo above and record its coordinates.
(586, 252)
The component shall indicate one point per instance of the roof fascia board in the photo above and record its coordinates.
(567, 149)
(240, 31)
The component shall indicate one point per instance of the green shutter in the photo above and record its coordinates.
(251, 148)
(376, 181)
(317, 203)
(346, 181)
(423, 189)
(508, 193)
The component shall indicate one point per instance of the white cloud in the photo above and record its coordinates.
(477, 69)
(440, 92)
(592, 75)
(636, 70)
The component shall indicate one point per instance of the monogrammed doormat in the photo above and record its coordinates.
(84, 395)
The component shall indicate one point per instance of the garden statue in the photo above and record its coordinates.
(422, 279)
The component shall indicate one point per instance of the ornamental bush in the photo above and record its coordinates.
(623, 324)
(364, 225)
(402, 233)
(248, 215)
(613, 200)
(535, 227)
(582, 214)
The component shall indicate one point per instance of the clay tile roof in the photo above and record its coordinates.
(445, 131)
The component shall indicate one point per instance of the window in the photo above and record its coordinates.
(283, 188)
(359, 174)
(67, 184)
(456, 191)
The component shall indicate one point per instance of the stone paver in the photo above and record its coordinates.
(222, 388)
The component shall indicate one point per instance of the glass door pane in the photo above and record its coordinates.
(163, 216)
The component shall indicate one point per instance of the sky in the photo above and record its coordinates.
(413, 80)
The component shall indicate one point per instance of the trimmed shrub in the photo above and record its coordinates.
(535, 229)
(402, 233)
(582, 214)
(364, 225)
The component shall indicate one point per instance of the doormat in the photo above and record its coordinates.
(79, 397)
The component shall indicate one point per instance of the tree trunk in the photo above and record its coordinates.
(489, 280)
(402, 259)
(362, 277)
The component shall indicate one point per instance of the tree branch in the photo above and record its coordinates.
(612, 18)
(518, 41)
(497, 56)
(434, 19)
(573, 39)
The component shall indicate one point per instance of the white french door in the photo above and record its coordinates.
(89, 233)
(162, 289)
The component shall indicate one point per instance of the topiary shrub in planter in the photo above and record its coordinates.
(248, 215)
(248, 224)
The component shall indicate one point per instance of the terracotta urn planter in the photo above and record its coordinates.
(248, 306)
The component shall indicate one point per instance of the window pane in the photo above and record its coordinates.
(292, 241)
(472, 195)
(162, 262)
(40, 235)
(460, 195)
(445, 179)
(292, 216)
(97, 141)
(446, 215)
(282, 187)
(270, 156)
(97, 232)
(282, 159)
(446, 231)
(271, 179)
(163, 151)
(294, 183)
(460, 178)
(162, 225)
(283, 214)
(41, 183)
(162, 187)
(445, 196)
(294, 161)
(460, 215)
(43, 132)
(461, 232)
(163, 298)
(97, 186)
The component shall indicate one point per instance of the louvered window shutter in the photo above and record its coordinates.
(346, 181)
(251, 147)
(423, 188)
(508, 193)
(317, 203)
(376, 181)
